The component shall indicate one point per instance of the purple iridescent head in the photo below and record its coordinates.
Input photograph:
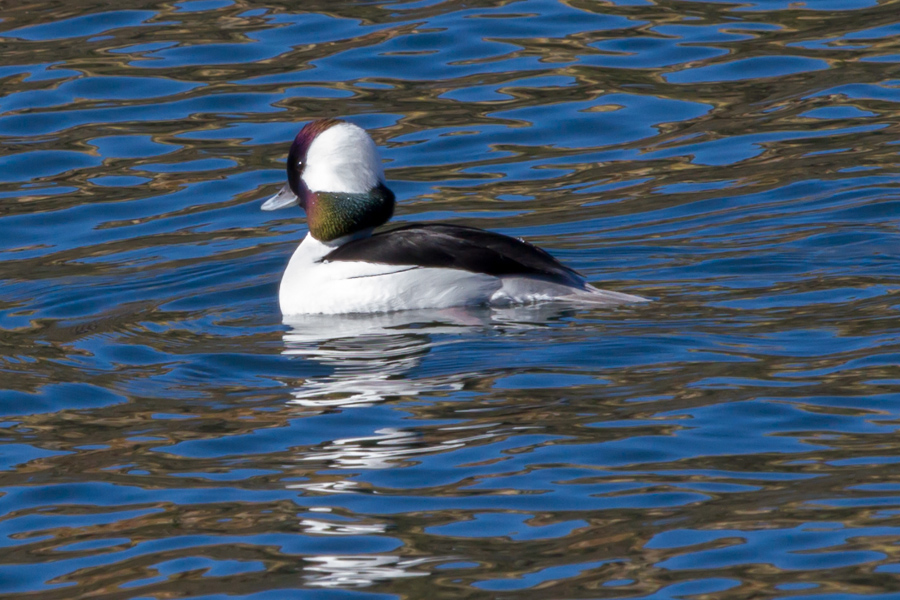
(334, 173)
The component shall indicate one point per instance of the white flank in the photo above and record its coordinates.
(341, 287)
(519, 290)
(312, 287)
(343, 158)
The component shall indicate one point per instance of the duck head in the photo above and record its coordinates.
(334, 173)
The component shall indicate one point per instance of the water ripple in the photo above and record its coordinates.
(165, 434)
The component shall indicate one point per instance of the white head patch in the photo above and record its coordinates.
(343, 158)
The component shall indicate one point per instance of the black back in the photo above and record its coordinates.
(456, 247)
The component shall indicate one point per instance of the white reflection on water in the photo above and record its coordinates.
(381, 450)
(380, 357)
(360, 571)
(374, 356)
(319, 527)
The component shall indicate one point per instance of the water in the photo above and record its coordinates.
(165, 435)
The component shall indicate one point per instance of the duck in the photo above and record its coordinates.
(346, 265)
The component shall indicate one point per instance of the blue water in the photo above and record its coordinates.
(164, 434)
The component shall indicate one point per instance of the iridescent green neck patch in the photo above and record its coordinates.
(331, 215)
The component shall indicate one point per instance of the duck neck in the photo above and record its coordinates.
(339, 216)
(338, 242)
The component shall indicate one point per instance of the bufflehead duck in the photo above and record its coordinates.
(334, 173)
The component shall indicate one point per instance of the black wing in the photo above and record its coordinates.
(456, 247)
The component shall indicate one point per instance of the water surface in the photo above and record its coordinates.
(166, 435)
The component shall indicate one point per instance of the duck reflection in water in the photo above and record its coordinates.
(390, 356)
(380, 356)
